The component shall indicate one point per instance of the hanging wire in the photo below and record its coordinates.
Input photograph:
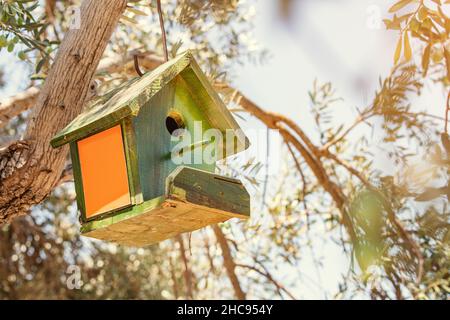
(164, 41)
(136, 65)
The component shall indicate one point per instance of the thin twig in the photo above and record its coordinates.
(302, 175)
(266, 178)
(163, 30)
(229, 263)
(413, 246)
(269, 277)
(174, 278)
(447, 109)
(348, 167)
(187, 271)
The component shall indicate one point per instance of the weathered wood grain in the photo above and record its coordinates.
(153, 142)
(202, 188)
(133, 95)
(186, 207)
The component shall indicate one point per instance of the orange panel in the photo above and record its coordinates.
(104, 172)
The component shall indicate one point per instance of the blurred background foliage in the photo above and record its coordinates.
(401, 247)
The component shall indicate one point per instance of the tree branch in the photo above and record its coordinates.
(61, 98)
(280, 288)
(187, 271)
(230, 265)
(14, 106)
(26, 100)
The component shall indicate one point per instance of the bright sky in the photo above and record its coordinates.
(341, 41)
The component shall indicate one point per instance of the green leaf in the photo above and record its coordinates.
(38, 77)
(426, 59)
(11, 47)
(447, 62)
(128, 19)
(3, 41)
(22, 55)
(407, 47)
(137, 11)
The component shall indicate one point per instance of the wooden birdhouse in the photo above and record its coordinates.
(130, 190)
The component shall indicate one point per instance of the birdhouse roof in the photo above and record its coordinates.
(127, 99)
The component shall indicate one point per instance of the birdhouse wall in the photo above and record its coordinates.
(153, 141)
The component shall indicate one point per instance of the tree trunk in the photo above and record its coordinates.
(29, 169)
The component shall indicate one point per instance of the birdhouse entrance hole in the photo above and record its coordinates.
(174, 122)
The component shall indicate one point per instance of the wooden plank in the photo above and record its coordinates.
(131, 155)
(153, 143)
(164, 222)
(194, 119)
(209, 190)
(122, 215)
(122, 104)
(194, 199)
(78, 180)
(212, 106)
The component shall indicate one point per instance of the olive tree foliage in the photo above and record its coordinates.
(394, 228)
(401, 245)
(42, 253)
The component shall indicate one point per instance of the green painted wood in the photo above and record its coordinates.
(76, 169)
(195, 120)
(209, 190)
(186, 207)
(128, 99)
(153, 143)
(124, 103)
(212, 106)
(131, 156)
(166, 221)
(122, 215)
(193, 199)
